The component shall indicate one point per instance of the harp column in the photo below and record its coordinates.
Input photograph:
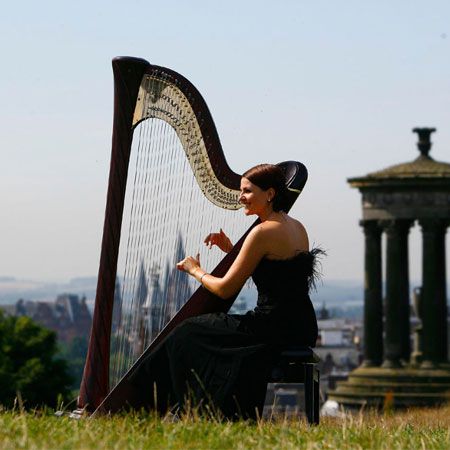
(95, 382)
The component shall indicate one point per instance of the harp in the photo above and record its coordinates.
(161, 123)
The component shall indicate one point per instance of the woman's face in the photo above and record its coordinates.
(254, 199)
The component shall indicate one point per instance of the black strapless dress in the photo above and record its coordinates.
(223, 361)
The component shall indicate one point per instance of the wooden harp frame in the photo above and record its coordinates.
(128, 75)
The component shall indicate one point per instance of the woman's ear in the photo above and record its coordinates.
(270, 194)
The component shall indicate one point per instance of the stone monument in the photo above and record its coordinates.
(393, 200)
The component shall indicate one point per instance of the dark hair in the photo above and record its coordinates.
(267, 176)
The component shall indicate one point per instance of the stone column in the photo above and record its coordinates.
(442, 293)
(373, 305)
(434, 295)
(397, 346)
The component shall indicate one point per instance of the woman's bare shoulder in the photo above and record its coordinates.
(297, 229)
(258, 232)
(289, 225)
(263, 233)
(298, 224)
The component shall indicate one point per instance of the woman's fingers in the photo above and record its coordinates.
(189, 264)
(211, 239)
(220, 239)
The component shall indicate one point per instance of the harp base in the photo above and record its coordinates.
(77, 414)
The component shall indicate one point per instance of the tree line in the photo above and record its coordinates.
(34, 369)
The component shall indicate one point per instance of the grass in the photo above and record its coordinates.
(414, 429)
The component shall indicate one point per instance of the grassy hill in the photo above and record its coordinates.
(415, 429)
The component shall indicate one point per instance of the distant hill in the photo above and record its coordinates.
(339, 293)
(12, 289)
(333, 293)
(336, 294)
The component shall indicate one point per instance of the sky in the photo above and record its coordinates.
(336, 85)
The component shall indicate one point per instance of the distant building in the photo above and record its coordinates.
(323, 313)
(68, 315)
(339, 332)
(339, 346)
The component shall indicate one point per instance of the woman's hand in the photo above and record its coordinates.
(189, 264)
(220, 239)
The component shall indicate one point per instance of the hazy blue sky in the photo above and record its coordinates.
(337, 85)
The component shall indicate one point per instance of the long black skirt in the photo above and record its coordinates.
(212, 363)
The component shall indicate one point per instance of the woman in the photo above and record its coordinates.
(223, 361)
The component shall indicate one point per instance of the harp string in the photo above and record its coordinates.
(166, 217)
(140, 308)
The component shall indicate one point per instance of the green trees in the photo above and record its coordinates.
(75, 355)
(28, 364)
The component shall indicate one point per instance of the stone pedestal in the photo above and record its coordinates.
(403, 387)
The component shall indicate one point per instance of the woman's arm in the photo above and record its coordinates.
(253, 249)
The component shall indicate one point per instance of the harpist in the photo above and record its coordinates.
(223, 361)
(171, 339)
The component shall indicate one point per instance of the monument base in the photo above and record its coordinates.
(381, 387)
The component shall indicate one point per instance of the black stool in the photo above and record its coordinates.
(299, 365)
